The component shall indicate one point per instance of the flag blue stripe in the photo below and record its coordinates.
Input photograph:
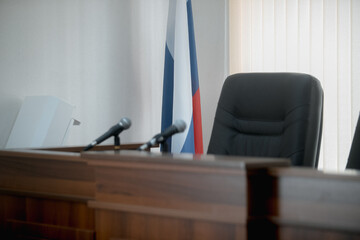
(193, 59)
(189, 144)
(168, 89)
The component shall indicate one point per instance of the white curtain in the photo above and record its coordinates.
(319, 37)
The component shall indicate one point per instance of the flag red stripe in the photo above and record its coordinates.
(198, 140)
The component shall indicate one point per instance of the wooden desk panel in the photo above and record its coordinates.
(43, 194)
(317, 199)
(172, 196)
(309, 204)
(59, 174)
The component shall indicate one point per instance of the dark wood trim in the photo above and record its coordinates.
(207, 216)
(45, 195)
(32, 230)
(78, 149)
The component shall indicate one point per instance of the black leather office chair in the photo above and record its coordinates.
(269, 114)
(354, 156)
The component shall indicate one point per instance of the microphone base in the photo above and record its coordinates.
(88, 147)
(117, 142)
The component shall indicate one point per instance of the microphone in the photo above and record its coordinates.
(115, 130)
(178, 127)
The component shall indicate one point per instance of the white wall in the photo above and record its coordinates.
(106, 58)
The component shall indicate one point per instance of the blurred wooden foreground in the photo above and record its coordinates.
(105, 194)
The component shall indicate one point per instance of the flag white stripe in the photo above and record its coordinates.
(182, 75)
(171, 26)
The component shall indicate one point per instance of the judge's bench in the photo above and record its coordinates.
(123, 194)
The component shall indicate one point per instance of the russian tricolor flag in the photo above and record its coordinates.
(181, 94)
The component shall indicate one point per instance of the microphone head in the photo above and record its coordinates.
(125, 122)
(180, 125)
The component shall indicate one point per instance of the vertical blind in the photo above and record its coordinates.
(318, 37)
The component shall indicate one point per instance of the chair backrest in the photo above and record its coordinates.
(354, 156)
(269, 114)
